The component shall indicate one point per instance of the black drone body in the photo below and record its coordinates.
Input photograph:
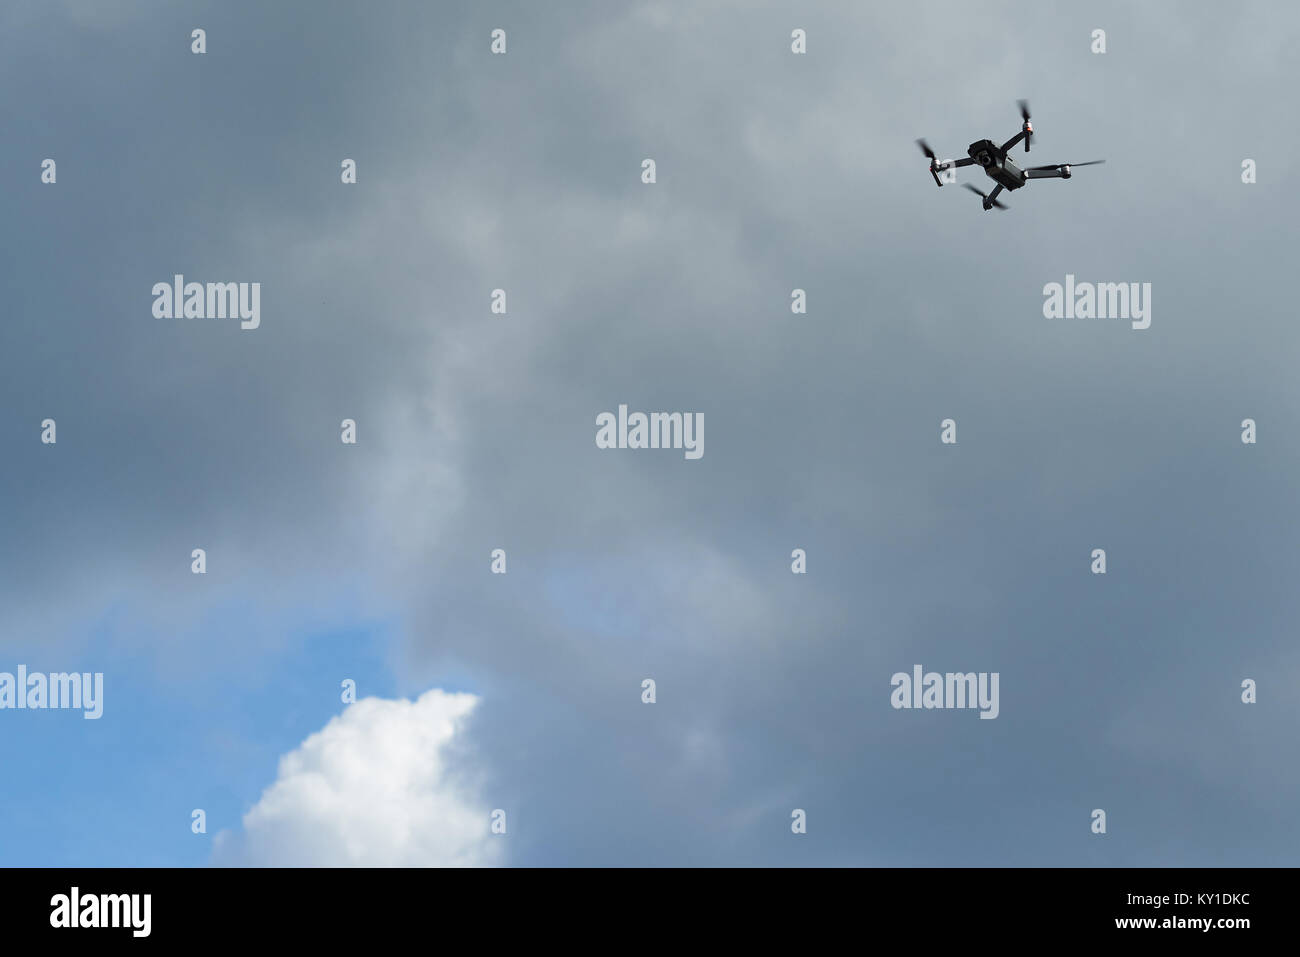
(997, 165)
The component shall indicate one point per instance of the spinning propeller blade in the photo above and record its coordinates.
(925, 148)
(1024, 114)
(1064, 165)
(990, 202)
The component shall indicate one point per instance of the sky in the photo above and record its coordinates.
(521, 693)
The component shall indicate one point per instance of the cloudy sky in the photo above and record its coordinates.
(522, 692)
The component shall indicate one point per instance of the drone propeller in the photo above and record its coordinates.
(1066, 168)
(1064, 165)
(1028, 127)
(987, 202)
(934, 160)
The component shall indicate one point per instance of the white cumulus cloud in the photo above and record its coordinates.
(371, 789)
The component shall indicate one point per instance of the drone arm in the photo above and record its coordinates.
(935, 168)
(1014, 140)
(1045, 174)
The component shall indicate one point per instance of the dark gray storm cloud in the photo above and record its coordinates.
(476, 431)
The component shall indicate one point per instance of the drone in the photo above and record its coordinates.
(998, 166)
